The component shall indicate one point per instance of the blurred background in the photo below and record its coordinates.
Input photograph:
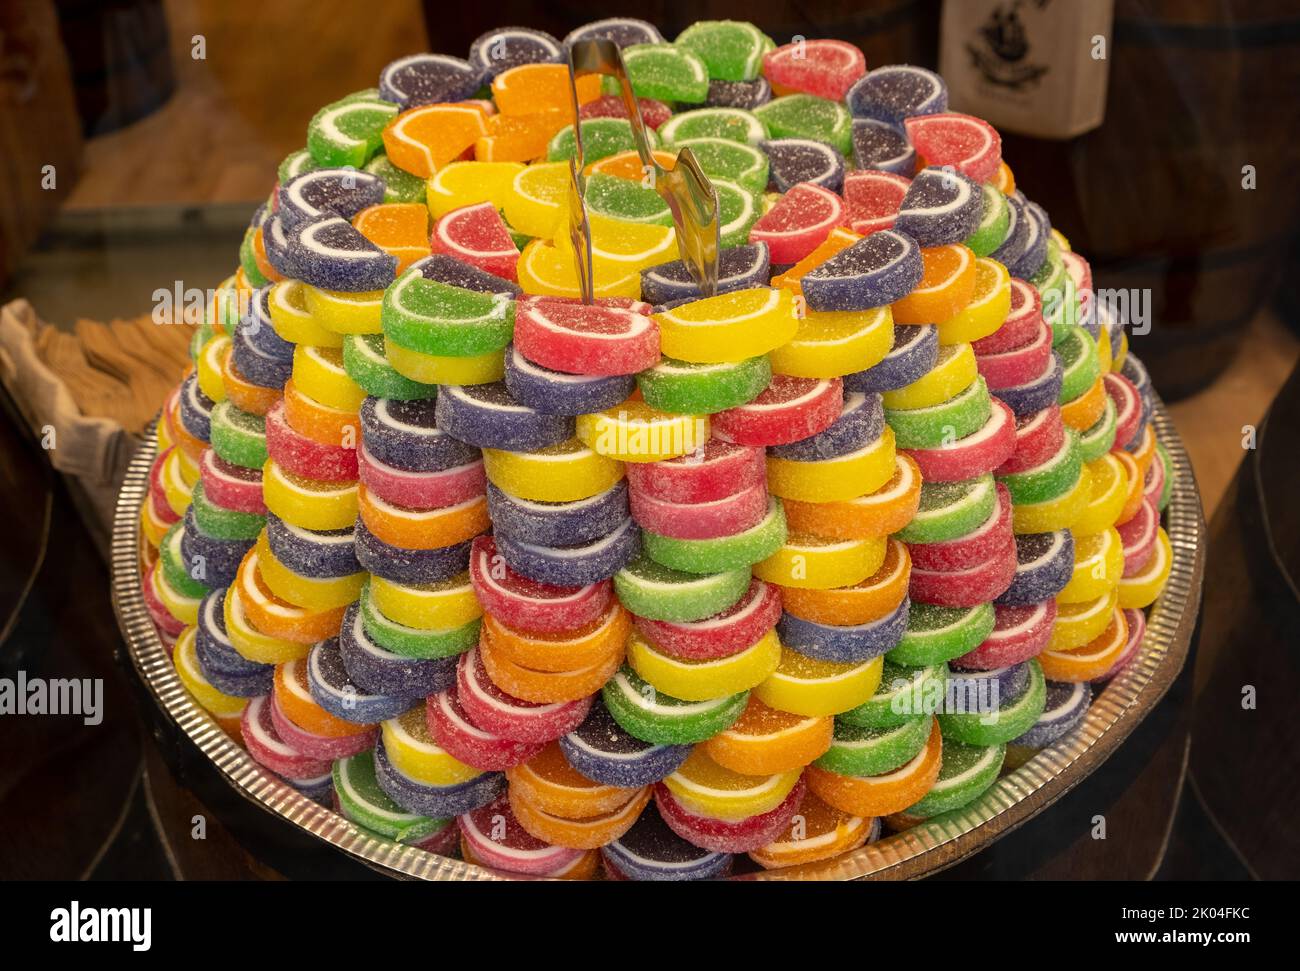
(136, 137)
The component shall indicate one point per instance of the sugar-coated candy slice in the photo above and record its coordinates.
(1017, 365)
(1109, 489)
(1158, 486)
(966, 773)
(414, 641)
(666, 72)
(1137, 625)
(494, 838)
(1138, 535)
(366, 363)
(861, 751)
(304, 456)
(413, 751)
(936, 634)
(238, 436)
(406, 566)
(1039, 392)
(915, 351)
(947, 286)
(506, 47)
(949, 139)
(1128, 405)
(703, 680)
(879, 269)
(332, 689)
(726, 834)
(309, 553)
(745, 95)
(493, 710)
(836, 343)
(739, 267)
(732, 123)
(466, 183)
(223, 666)
(541, 686)
(1045, 562)
(982, 724)
(788, 410)
(897, 92)
(1140, 589)
(1080, 367)
(980, 452)
(328, 192)
(265, 745)
(940, 207)
(703, 787)
(1064, 709)
(1094, 658)
(826, 68)
(364, 802)
(1078, 623)
(422, 529)
(845, 644)
(427, 78)
(527, 603)
(685, 388)
(663, 720)
(1022, 323)
(603, 751)
(654, 113)
(1036, 234)
(1019, 633)
(376, 669)
(817, 563)
(879, 513)
(860, 422)
(477, 235)
(765, 741)
(1039, 436)
(873, 599)
(558, 393)
(558, 523)
(434, 800)
(1098, 437)
(735, 513)
(450, 728)
(488, 416)
(971, 548)
(634, 432)
(421, 490)
(719, 469)
(796, 160)
(806, 116)
(735, 626)
(587, 340)
(566, 472)
(195, 409)
(563, 651)
(810, 686)
(1051, 478)
(423, 139)
(992, 228)
(650, 850)
(623, 31)
(329, 253)
(601, 137)
(216, 560)
(437, 318)
(586, 833)
(1060, 512)
(733, 50)
(576, 564)
(401, 229)
(448, 270)
(879, 145)
(900, 697)
(798, 222)
(724, 553)
(872, 199)
(733, 326)
(886, 793)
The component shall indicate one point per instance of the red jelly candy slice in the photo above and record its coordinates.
(717, 472)
(580, 339)
(826, 68)
(477, 235)
(799, 221)
(872, 199)
(452, 729)
(970, 145)
(722, 635)
(494, 711)
(788, 410)
(526, 604)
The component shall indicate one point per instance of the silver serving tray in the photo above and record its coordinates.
(929, 846)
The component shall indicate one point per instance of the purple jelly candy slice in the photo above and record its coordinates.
(878, 269)
(879, 145)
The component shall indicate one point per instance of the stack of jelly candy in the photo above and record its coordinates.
(662, 586)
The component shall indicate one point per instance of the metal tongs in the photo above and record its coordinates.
(690, 196)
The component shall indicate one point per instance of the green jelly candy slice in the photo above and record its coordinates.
(967, 771)
(349, 131)
(732, 49)
(238, 436)
(248, 261)
(175, 570)
(951, 509)
(610, 195)
(734, 124)
(684, 388)
(660, 719)
(294, 164)
(903, 694)
(963, 414)
(223, 523)
(1050, 479)
(365, 363)
(399, 185)
(738, 210)
(1011, 719)
(1098, 440)
(808, 116)
(656, 592)
(724, 553)
(1080, 365)
(938, 634)
(666, 73)
(412, 641)
(724, 158)
(992, 229)
(601, 137)
(858, 751)
(437, 318)
(367, 805)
